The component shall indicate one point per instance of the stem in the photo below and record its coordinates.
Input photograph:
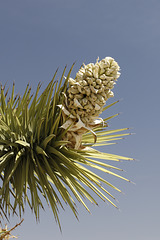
(8, 232)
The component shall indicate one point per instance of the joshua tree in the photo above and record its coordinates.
(46, 141)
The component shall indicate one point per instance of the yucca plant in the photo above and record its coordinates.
(47, 141)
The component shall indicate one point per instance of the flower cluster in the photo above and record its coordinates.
(91, 88)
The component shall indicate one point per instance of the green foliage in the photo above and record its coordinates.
(35, 162)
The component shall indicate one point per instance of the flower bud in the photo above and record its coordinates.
(84, 101)
(97, 107)
(77, 104)
(74, 89)
(99, 81)
(102, 70)
(87, 90)
(95, 71)
(103, 77)
(110, 94)
(88, 73)
(94, 84)
(93, 89)
(84, 83)
(79, 76)
(72, 81)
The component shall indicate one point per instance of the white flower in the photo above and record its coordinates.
(103, 76)
(72, 81)
(97, 107)
(93, 89)
(88, 92)
(77, 104)
(110, 94)
(95, 71)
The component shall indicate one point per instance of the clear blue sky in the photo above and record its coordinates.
(37, 36)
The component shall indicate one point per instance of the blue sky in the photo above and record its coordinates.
(38, 36)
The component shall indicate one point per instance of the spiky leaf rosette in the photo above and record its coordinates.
(37, 162)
